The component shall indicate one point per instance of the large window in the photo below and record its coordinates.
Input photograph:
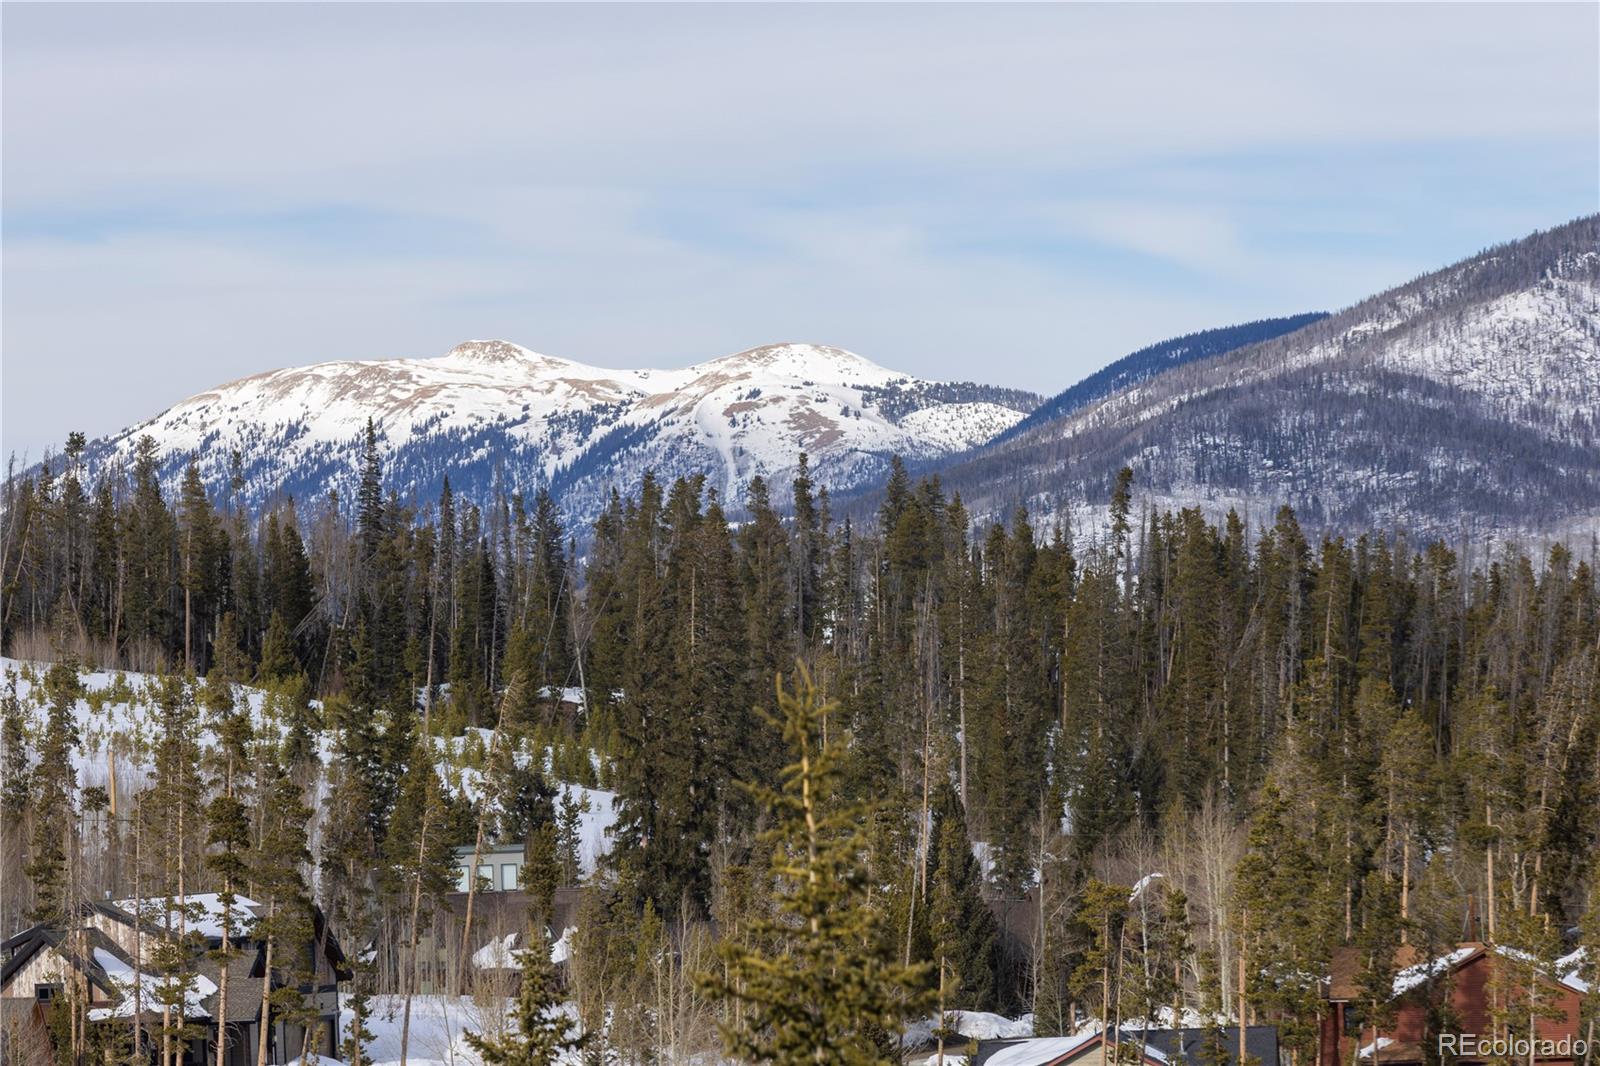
(508, 876)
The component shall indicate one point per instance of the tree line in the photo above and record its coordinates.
(1166, 765)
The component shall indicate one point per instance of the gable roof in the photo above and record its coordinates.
(1415, 971)
(1051, 1050)
(1188, 1045)
(94, 944)
(201, 913)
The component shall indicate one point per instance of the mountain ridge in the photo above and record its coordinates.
(495, 415)
(1468, 397)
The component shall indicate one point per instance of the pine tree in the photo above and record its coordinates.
(421, 862)
(285, 922)
(15, 791)
(201, 552)
(228, 819)
(964, 932)
(544, 1028)
(1376, 944)
(53, 794)
(825, 993)
(1095, 981)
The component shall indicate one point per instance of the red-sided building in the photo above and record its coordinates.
(1450, 996)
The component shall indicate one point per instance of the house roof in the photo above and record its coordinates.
(200, 912)
(204, 913)
(244, 991)
(1187, 1046)
(87, 950)
(1051, 1050)
(1571, 967)
(1413, 970)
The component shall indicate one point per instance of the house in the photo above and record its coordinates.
(499, 867)
(1083, 1049)
(1189, 1046)
(108, 955)
(1449, 996)
(499, 918)
(1152, 1047)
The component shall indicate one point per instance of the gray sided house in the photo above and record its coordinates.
(104, 961)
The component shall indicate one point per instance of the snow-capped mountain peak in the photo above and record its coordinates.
(496, 416)
(802, 362)
(497, 353)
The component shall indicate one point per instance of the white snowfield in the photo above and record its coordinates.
(734, 417)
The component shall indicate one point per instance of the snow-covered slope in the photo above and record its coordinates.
(493, 414)
(117, 715)
(1464, 402)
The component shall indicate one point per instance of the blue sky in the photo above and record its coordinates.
(1017, 194)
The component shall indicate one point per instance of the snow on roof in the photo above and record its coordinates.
(1041, 1050)
(1566, 968)
(1570, 967)
(202, 912)
(1412, 976)
(1381, 1043)
(498, 954)
(150, 986)
(561, 950)
(111, 964)
(502, 953)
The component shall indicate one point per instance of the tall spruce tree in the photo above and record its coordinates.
(828, 992)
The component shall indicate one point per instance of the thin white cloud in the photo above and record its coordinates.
(194, 192)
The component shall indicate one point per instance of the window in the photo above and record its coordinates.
(486, 873)
(45, 993)
(508, 876)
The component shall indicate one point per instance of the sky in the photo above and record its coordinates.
(1010, 194)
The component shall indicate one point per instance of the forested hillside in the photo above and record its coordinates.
(1459, 404)
(1152, 359)
(1353, 741)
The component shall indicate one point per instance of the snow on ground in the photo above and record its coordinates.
(116, 719)
(116, 728)
(1189, 1019)
(438, 1028)
(972, 1024)
(439, 1025)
